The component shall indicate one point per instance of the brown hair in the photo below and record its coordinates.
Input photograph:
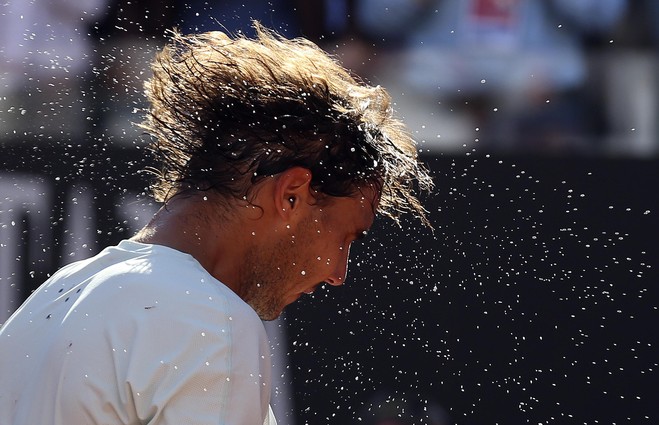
(227, 112)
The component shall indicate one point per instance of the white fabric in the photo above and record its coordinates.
(139, 334)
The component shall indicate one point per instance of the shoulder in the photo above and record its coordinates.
(153, 287)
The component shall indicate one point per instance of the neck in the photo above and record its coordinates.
(189, 225)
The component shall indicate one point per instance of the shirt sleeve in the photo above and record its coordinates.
(171, 357)
(202, 368)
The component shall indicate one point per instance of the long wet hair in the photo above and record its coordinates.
(226, 112)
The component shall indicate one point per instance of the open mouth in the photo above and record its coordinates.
(312, 289)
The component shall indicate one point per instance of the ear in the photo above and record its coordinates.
(293, 192)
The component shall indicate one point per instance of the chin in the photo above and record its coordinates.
(270, 316)
(272, 312)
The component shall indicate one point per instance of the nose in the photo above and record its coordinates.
(340, 272)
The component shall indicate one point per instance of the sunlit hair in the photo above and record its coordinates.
(226, 113)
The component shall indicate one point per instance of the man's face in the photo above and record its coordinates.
(315, 252)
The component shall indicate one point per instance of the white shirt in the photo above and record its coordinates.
(139, 334)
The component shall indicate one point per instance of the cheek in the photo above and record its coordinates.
(322, 255)
(333, 256)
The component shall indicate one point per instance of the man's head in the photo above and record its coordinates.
(232, 116)
(225, 113)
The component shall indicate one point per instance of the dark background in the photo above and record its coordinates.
(534, 299)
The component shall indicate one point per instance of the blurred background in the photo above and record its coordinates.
(534, 300)
(548, 77)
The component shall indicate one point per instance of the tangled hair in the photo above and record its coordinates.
(226, 113)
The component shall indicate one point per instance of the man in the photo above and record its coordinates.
(273, 160)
